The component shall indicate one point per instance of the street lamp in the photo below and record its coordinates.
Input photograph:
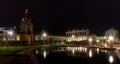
(97, 41)
(90, 41)
(111, 39)
(44, 35)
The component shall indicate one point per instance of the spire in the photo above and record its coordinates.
(26, 24)
(26, 14)
(112, 27)
(26, 11)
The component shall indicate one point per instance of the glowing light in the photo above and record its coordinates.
(105, 45)
(97, 41)
(111, 38)
(69, 40)
(104, 37)
(36, 51)
(73, 36)
(90, 39)
(97, 50)
(18, 38)
(85, 50)
(108, 40)
(44, 34)
(73, 51)
(111, 59)
(4, 39)
(10, 32)
(90, 53)
(44, 54)
(81, 49)
(105, 51)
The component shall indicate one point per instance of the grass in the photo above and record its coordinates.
(13, 49)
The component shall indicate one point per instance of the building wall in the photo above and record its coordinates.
(112, 33)
(7, 34)
(77, 35)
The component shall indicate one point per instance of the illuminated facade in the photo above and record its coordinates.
(77, 35)
(112, 32)
(7, 33)
(26, 28)
(49, 38)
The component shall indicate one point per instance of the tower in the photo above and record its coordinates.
(26, 27)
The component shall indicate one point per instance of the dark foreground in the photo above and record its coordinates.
(63, 55)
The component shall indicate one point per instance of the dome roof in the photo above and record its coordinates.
(112, 30)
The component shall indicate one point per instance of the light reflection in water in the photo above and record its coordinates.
(78, 49)
(98, 50)
(81, 49)
(73, 51)
(85, 50)
(36, 51)
(90, 53)
(44, 54)
(111, 59)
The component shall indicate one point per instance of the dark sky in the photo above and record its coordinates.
(58, 16)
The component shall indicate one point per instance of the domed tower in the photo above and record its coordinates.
(112, 32)
(26, 27)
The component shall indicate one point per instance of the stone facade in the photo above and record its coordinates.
(26, 28)
(77, 35)
(112, 32)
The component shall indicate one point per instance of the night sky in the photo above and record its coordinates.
(58, 16)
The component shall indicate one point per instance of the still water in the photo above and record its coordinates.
(75, 55)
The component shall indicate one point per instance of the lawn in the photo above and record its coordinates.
(62, 45)
(13, 49)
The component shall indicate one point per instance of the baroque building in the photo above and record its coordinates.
(26, 27)
(77, 35)
(112, 32)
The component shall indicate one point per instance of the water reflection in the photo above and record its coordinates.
(111, 59)
(36, 51)
(90, 53)
(98, 50)
(73, 51)
(83, 53)
(85, 50)
(78, 49)
(44, 54)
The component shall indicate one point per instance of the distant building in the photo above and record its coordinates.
(7, 33)
(26, 28)
(77, 35)
(112, 32)
(50, 38)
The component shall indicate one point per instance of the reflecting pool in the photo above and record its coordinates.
(74, 55)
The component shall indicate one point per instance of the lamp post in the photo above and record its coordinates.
(90, 41)
(44, 35)
(111, 39)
